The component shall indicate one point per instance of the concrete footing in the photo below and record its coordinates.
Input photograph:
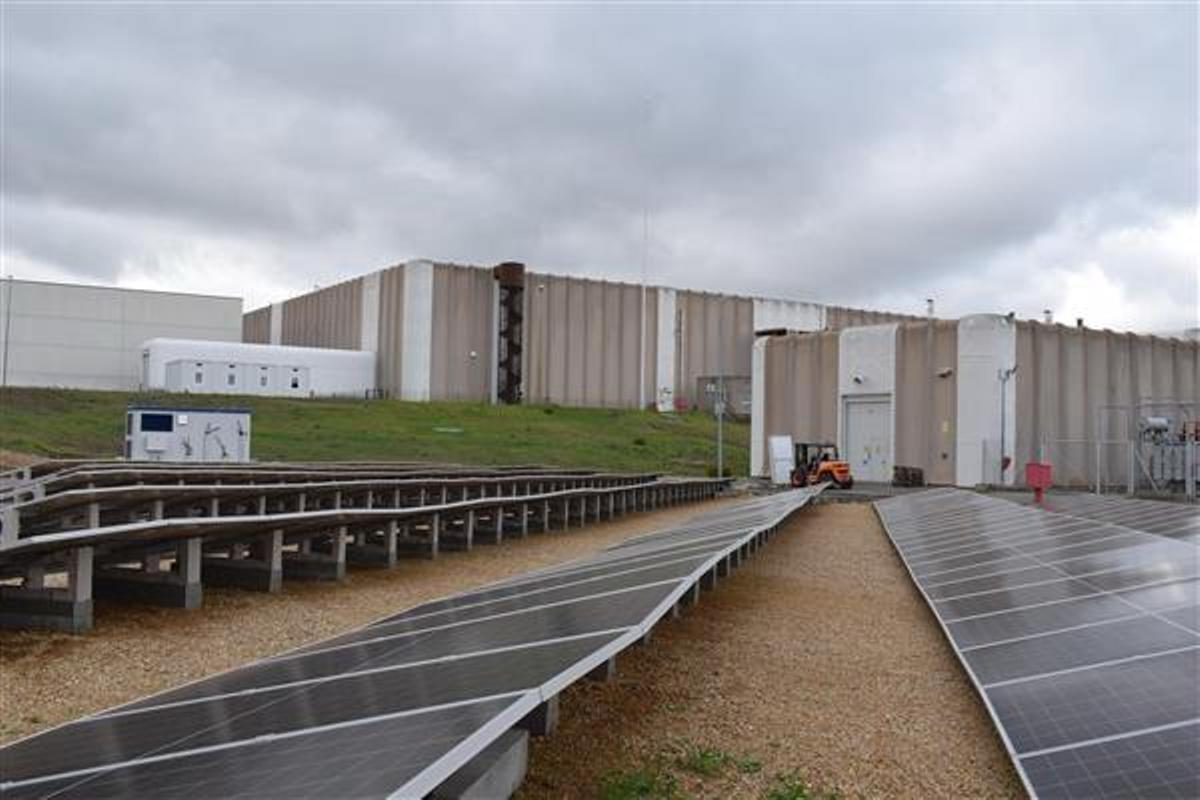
(52, 609)
(497, 771)
(373, 554)
(35, 606)
(179, 588)
(258, 568)
(313, 567)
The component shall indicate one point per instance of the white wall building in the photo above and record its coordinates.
(90, 337)
(202, 367)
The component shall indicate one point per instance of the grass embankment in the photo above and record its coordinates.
(60, 423)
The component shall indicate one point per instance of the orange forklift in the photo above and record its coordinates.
(818, 462)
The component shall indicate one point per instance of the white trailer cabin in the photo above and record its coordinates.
(188, 365)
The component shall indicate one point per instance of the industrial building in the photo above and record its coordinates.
(452, 332)
(90, 337)
(972, 401)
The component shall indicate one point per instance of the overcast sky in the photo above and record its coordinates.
(994, 158)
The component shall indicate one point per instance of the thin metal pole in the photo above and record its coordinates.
(642, 340)
(721, 430)
(7, 330)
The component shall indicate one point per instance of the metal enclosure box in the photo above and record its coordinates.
(202, 435)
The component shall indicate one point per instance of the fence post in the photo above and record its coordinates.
(1131, 483)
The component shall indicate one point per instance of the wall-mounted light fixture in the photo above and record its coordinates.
(859, 379)
(945, 372)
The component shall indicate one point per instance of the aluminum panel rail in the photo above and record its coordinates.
(127, 473)
(111, 543)
(1082, 638)
(397, 707)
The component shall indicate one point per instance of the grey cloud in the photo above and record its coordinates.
(854, 155)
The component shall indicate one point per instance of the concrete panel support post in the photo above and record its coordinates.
(606, 671)
(68, 609)
(542, 720)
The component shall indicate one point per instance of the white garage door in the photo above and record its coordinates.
(867, 432)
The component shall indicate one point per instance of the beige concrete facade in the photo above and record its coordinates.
(583, 338)
(583, 342)
(925, 402)
(327, 317)
(256, 326)
(1079, 370)
(464, 317)
(1072, 387)
(715, 333)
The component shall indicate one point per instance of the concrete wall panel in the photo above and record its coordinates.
(839, 317)
(787, 315)
(464, 321)
(799, 398)
(391, 331)
(926, 398)
(417, 317)
(715, 334)
(987, 346)
(90, 337)
(256, 326)
(583, 339)
(1069, 386)
(328, 317)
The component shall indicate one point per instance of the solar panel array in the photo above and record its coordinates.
(394, 708)
(1174, 520)
(1081, 636)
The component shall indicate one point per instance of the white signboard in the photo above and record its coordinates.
(780, 451)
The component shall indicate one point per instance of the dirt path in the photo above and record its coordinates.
(817, 660)
(47, 678)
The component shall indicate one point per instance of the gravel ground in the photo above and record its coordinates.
(47, 678)
(816, 659)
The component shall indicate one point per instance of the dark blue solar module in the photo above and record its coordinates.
(396, 707)
(1081, 631)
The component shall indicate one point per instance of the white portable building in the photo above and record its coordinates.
(187, 365)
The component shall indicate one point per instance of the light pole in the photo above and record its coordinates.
(717, 392)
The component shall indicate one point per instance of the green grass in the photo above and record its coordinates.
(62, 423)
(709, 762)
(649, 782)
(791, 786)
(706, 761)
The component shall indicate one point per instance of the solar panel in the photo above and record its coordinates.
(1172, 520)
(396, 707)
(1081, 635)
